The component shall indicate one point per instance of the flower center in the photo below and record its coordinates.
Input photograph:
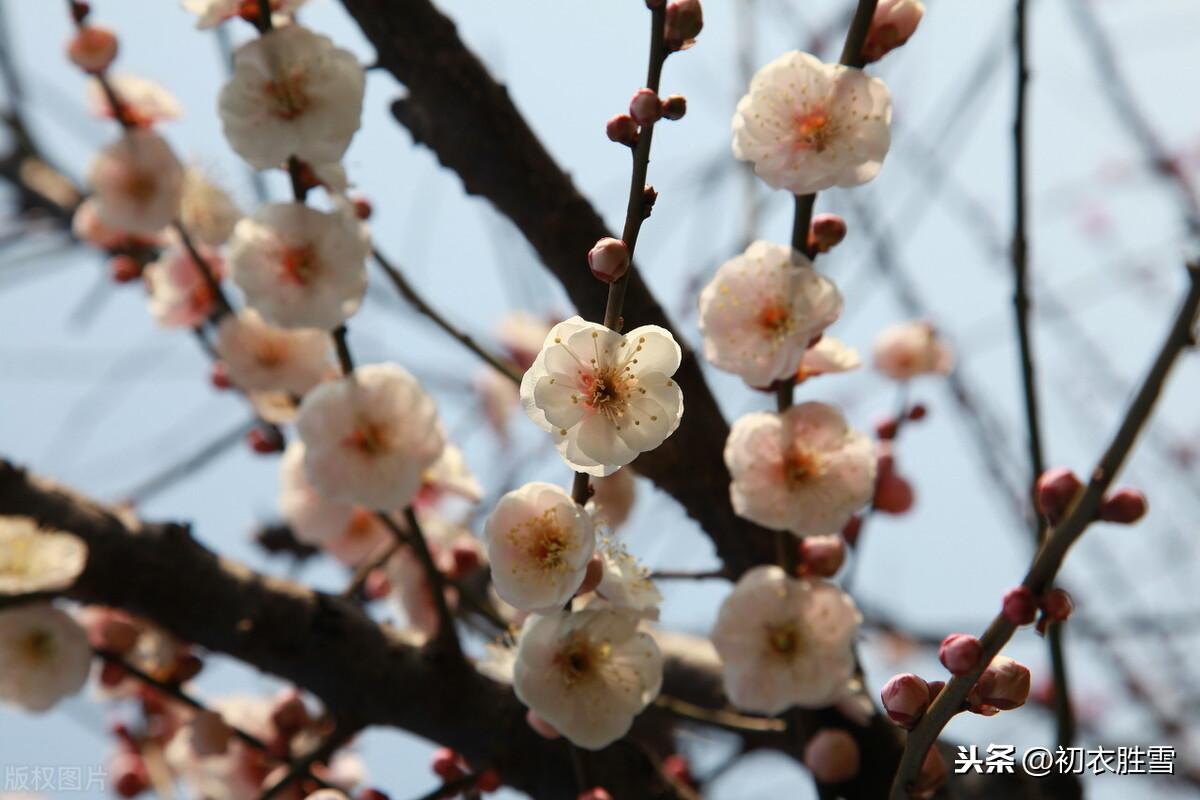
(270, 352)
(287, 95)
(140, 186)
(368, 438)
(16, 558)
(298, 264)
(38, 645)
(580, 658)
(774, 318)
(607, 391)
(543, 540)
(784, 640)
(814, 130)
(801, 466)
(361, 524)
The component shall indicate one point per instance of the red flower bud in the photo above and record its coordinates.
(685, 20)
(488, 781)
(622, 130)
(825, 233)
(362, 208)
(885, 429)
(674, 107)
(218, 376)
(265, 439)
(917, 412)
(822, 556)
(905, 698)
(124, 269)
(1124, 506)
(446, 764)
(1020, 606)
(1057, 605)
(960, 653)
(128, 774)
(852, 529)
(645, 107)
(92, 49)
(1055, 491)
(893, 494)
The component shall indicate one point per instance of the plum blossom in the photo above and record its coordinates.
(350, 533)
(409, 581)
(605, 397)
(909, 349)
(539, 542)
(625, 582)
(261, 357)
(300, 267)
(803, 470)
(179, 294)
(36, 560)
(292, 93)
(762, 309)
(211, 13)
(827, 356)
(206, 210)
(613, 498)
(137, 183)
(808, 126)
(785, 642)
(449, 477)
(87, 227)
(522, 335)
(587, 674)
(44, 656)
(368, 437)
(143, 102)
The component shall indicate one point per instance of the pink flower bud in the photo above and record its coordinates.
(466, 559)
(124, 269)
(1057, 605)
(289, 715)
(685, 20)
(489, 781)
(822, 556)
(609, 259)
(218, 376)
(960, 653)
(446, 764)
(917, 412)
(92, 49)
(540, 726)
(905, 698)
(622, 130)
(645, 107)
(112, 675)
(1124, 506)
(265, 439)
(893, 494)
(676, 767)
(674, 107)
(1020, 606)
(593, 576)
(832, 756)
(599, 793)
(825, 233)
(128, 774)
(1055, 491)
(1004, 684)
(118, 634)
(210, 734)
(362, 207)
(852, 529)
(377, 586)
(894, 23)
(932, 775)
(885, 429)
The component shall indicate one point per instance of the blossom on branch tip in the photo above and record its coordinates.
(804, 470)
(143, 102)
(300, 267)
(261, 357)
(606, 397)
(809, 126)
(832, 755)
(37, 560)
(685, 20)
(369, 436)
(137, 183)
(785, 642)
(539, 542)
(44, 656)
(909, 349)
(762, 309)
(608, 259)
(894, 23)
(587, 674)
(292, 93)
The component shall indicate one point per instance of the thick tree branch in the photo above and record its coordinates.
(460, 112)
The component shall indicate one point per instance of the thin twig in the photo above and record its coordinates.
(369, 565)
(720, 717)
(689, 575)
(345, 360)
(1049, 559)
(303, 765)
(447, 635)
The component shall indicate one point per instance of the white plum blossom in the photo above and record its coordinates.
(350, 533)
(605, 397)
(808, 126)
(36, 560)
(300, 267)
(179, 294)
(211, 13)
(292, 93)
(587, 674)
(44, 656)
(804, 470)
(369, 437)
(539, 542)
(143, 102)
(827, 356)
(909, 349)
(261, 357)
(137, 183)
(88, 227)
(206, 210)
(785, 642)
(625, 583)
(761, 311)
(449, 476)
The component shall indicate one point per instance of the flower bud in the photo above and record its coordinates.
(960, 653)
(540, 726)
(609, 259)
(917, 412)
(905, 698)
(218, 376)
(894, 23)
(645, 107)
(893, 494)
(598, 793)
(593, 576)
(832, 756)
(488, 781)
(80, 11)
(112, 674)
(128, 774)
(674, 107)
(1124, 506)
(265, 439)
(1004, 684)
(622, 130)
(124, 269)
(932, 775)
(466, 559)
(676, 767)
(825, 233)
(370, 794)
(1019, 606)
(1055, 491)
(885, 429)
(649, 198)
(852, 529)
(362, 207)
(685, 20)
(822, 556)
(1057, 605)
(92, 49)
(446, 764)
(377, 586)
(289, 714)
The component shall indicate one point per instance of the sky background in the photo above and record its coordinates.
(95, 395)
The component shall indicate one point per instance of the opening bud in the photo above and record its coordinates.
(960, 653)
(905, 698)
(609, 259)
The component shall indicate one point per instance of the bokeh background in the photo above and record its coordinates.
(93, 394)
